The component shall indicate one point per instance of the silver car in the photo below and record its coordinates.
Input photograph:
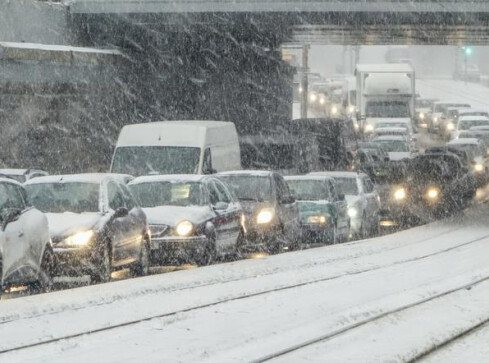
(26, 255)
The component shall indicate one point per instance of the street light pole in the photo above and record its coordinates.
(304, 80)
(465, 61)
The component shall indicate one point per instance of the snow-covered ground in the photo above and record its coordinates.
(389, 298)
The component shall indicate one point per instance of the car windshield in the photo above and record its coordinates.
(309, 189)
(175, 193)
(387, 109)
(467, 124)
(393, 145)
(423, 103)
(64, 197)
(348, 185)
(249, 187)
(443, 107)
(150, 160)
(474, 149)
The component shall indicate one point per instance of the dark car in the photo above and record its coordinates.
(95, 224)
(192, 218)
(272, 220)
(380, 158)
(437, 184)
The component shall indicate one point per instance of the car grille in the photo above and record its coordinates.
(158, 230)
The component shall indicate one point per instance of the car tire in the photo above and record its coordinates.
(141, 267)
(45, 280)
(103, 265)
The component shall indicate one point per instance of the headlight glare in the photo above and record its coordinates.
(352, 212)
(265, 216)
(80, 239)
(334, 110)
(433, 193)
(400, 193)
(450, 126)
(184, 228)
(369, 128)
(421, 115)
(479, 168)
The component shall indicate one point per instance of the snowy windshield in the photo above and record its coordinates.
(149, 160)
(387, 109)
(394, 145)
(168, 193)
(249, 187)
(64, 197)
(348, 185)
(467, 124)
(309, 189)
(473, 149)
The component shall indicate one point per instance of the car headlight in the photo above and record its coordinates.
(433, 193)
(265, 216)
(421, 116)
(351, 109)
(313, 98)
(435, 120)
(400, 193)
(319, 219)
(334, 110)
(322, 101)
(184, 228)
(479, 168)
(369, 128)
(300, 90)
(79, 239)
(352, 212)
(450, 126)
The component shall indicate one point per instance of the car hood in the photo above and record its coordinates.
(171, 215)
(250, 207)
(397, 155)
(314, 206)
(65, 224)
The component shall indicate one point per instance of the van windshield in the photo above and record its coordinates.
(152, 160)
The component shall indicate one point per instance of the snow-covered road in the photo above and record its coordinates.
(389, 297)
(420, 293)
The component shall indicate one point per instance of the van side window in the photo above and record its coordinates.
(116, 199)
(223, 194)
(207, 166)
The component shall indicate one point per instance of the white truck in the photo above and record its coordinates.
(385, 92)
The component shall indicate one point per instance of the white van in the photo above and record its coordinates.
(177, 147)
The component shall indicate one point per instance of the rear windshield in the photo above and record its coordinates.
(309, 189)
(348, 185)
(168, 193)
(249, 187)
(467, 124)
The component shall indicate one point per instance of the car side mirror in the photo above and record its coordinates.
(341, 196)
(121, 212)
(9, 215)
(387, 158)
(220, 206)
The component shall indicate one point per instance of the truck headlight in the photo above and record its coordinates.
(265, 216)
(479, 168)
(369, 128)
(400, 193)
(352, 212)
(319, 219)
(79, 239)
(184, 228)
(313, 98)
(450, 126)
(421, 116)
(334, 110)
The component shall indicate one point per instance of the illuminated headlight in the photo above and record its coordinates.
(300, 89)
(450, 126)
(334, 110)
(433, 193)
(479, 168)
(351, 109)
(421, 116)
(322, 101)
(265, 216)
(352, 212)
(356, 126)
(317, 219)
(313, 98)
(369, 128)
(79, 239)
(435, 120)
(184, 228)
(400, 193)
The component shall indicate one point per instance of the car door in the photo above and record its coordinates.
(341, 206)
(288, 209)
(23, 239)
(372, 199)
(138, 222)
(219, 214)
(120, 228)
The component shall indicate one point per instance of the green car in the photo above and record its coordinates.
(322, 207)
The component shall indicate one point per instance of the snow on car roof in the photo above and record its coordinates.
(247, 172)
(467, 141)
(318, 177)
(16, 171)
(473, 118)
(95, 178)
(390, 129)
(480, 128)
(385, 68)
(338, 174)
(389, 138)
(168, 177)
(462, 111)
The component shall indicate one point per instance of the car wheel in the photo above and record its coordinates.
(210, 251)
(141, 267)
(103, 268)
(45, 280)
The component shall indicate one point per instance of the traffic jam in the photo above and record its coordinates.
(376, 157)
